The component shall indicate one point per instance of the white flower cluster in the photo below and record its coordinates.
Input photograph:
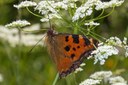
(92, 23)
(103, 52)
(26, 39)
(118, 80)
(51, 8)
(107, 76)
(103, 5)
(101, 75)
(90, 82)
(115, 41)
(46, 7)
(18, 24)
(109, 48)
(25, 4)
(87, 8)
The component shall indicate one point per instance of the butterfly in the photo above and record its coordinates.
(68, 50)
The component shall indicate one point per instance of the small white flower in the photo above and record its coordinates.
(61, 5)
(125, 41)
(1, 78)
(25, 4)
(90, 82)
(118, 80)
(51, 16)
(126, 52)
(89, 12)
(18, 24)
(78, 70)
(103, 52)
(44, 20)
(101, 75)
(83, 64)
(92, 23)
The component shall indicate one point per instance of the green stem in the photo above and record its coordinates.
(97, 18)
(17, 61)
(98, 35)
(74, 76)
(56, 78)
(33, 31)
(33, 13)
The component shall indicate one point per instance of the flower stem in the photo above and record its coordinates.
(56, 78)
(33, 13)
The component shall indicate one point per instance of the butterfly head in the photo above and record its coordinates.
(51, 32)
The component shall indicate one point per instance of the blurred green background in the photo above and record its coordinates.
(38, 68)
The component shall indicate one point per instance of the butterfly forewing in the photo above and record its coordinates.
(68, 50)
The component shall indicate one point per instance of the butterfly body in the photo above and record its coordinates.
(68, 50)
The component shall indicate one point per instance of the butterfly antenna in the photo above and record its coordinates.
(35, 45)
(49, 22)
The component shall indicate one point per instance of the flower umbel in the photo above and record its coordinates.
(18, 24)
(101, 75)
(118, 80)
(90, 82)
(103, 52)
(25, 4)
(114, 41)
(86, 9)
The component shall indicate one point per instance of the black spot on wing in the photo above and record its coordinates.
(66, 38)
(74, 49)
(67, 48)
(72, 55)
(78, 46)
(75, 38)
(86, 40)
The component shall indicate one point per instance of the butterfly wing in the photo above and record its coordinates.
(68, 51)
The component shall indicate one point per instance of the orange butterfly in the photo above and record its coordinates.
(68, 50)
